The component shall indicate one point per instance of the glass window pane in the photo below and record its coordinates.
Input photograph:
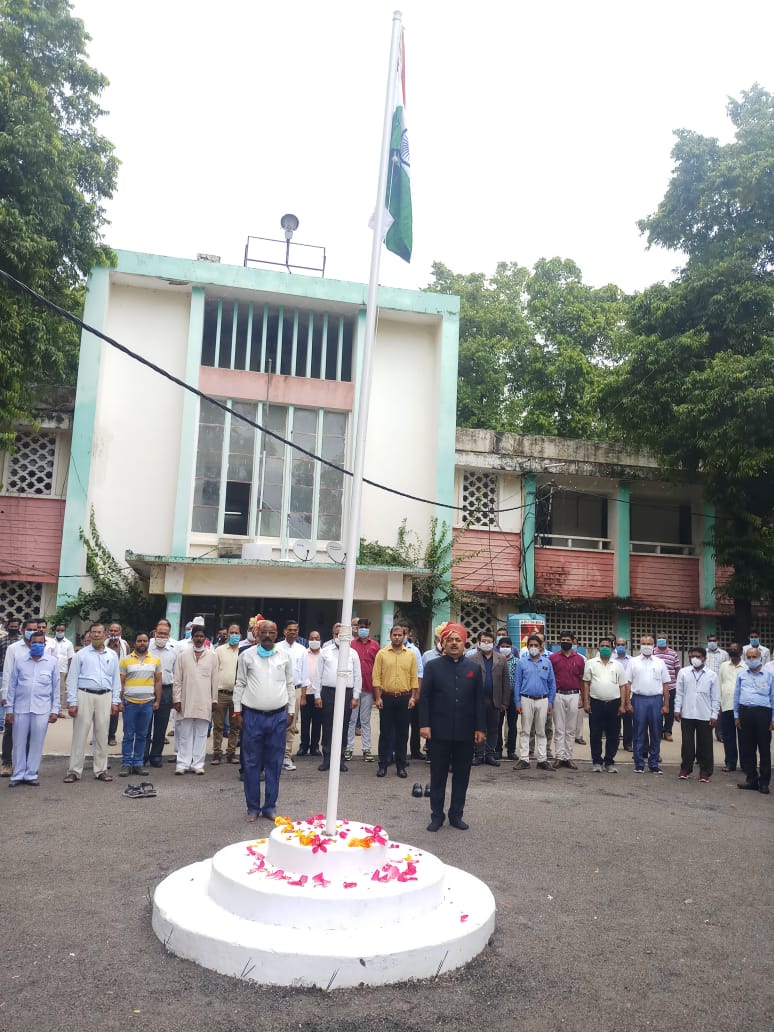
(235, 517)
(300, 525)
(210, 438)
(301, 499)
(270, 524)
(207, 492)
(304, 422)
(329, 527)
(303, 473)
(205, 521)
(334, 424)
(333, 450)
(209, 413)
(208, 465)
(331, 478)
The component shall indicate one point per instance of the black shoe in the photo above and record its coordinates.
(476, 761)
(750, 786)
(416, 790)
(427, 791)
(381, 771)
(458, 823)
(763, 788)
(435, 824)
(343, 768)
(324, 766)
(492, 761)
(315, 752)
(417, 756)
(302, 752)
(156, 763)
(512, 756)
(402, 772)
(544, 765)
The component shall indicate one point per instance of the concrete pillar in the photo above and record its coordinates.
(388, 619)
(528, 536)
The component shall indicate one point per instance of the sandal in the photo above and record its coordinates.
(133, 791)
(147, 789)
(215, 761)
(104, 776)
(70, 779)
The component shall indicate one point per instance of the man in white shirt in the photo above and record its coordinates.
(64, 652)
(649, 701)
(697, 704)
(264, 705)
(324, 684)
(604, 698)
(300, 663)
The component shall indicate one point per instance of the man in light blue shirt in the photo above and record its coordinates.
(93, 694)
(753, 711)
(32, 704)
(534, 691)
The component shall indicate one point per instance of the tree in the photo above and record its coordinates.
(55, 170)
(534, 347)
(698, 385)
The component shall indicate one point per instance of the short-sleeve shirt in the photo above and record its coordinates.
(139, 674)
(606, 679)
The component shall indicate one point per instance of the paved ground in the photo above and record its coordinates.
(629, 902)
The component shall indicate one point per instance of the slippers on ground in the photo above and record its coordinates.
(427, 790)
(416, 791)
(133, 792)
(147, 789)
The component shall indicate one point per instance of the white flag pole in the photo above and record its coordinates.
(364, 395)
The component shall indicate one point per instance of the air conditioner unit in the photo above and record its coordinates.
(256, 551)
(230, 548)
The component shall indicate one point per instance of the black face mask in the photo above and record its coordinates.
(566, 646)
(13, 633)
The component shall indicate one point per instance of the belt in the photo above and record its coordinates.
(397, 695)
(568, 691)
(525, 695)
(167, 685)
(267, 712)
(332, 687)
(226, 691)
(95, 691)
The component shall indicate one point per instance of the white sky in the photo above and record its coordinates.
(536, 129)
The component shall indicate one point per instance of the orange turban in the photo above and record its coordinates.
(456, 628)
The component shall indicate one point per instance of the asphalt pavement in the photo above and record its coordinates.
(625, 902)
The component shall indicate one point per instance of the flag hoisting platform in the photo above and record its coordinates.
(327, 902)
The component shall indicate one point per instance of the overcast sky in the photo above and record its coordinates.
(536, 129)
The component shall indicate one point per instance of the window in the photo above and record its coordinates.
(571, 519)
(30, 466)
(479, 499)
(260, 486)
(661, 528)
(276, 339)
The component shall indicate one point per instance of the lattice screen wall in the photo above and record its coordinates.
(682, 631)
(476, 617)
(589, 625)
(31, 465)
(20, 598)
(479, 499)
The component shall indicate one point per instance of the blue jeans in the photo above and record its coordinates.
(647, 714)
(137, 718)
(262, 748)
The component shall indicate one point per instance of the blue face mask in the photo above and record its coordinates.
(28, 635)
(37, 648)
(661, 642)
(188, 634)
(620, 650)
(755, 642)
(362, 632)
(233, 639)
(265, 652)
(753, 664)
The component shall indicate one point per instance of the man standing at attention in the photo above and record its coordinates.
(753, 711)
(64, 650)
(605, 686)
(163, 649)
(671, 661)
(396, 689)
(535, 691)
(452, 719)
(300, 664)
(140, 697)
(117, 644)
(226, 654)
(194, 696)
(697, 703)
(264, 705)
(325, 695)
(497, 693)
(93, 696)
(32, 704)
(568, 674)
(649, 703)
(727, 675)
(367, 650)
(311, 715)
(14, 641)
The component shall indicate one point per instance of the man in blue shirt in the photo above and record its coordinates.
(534, 690)
(753, 711)
(93, 696)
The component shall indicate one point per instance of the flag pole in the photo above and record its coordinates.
(364, 394)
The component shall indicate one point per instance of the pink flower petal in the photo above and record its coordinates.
(350, 884)
(463, 917)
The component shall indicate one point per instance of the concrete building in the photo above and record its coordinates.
(220, 517)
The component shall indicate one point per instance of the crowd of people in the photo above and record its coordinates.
(453, 706)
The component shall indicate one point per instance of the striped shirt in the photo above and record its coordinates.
(138, 674)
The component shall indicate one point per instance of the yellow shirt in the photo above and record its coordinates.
(395, 672)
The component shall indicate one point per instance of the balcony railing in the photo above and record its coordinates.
(661, 548)
(576, 541)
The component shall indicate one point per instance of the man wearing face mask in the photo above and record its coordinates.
(507, 743)
(622, 656)
(163, 649)
(32, 703)
(753, 712)
(116, 643)
(311, 715)
(226, 655)
(140, 696)
(298, 660)
(324, 685)
(367, 650)
(569, 668)
(93, 696)
(697, 704)
(264, 703)
(648, 701)
(727, 675)
(755, 643)
(671, 661)
(497, 694)
(194, 697)
(605, 688)
(63, 651)
(535, 688)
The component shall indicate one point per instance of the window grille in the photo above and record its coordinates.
(476, 617)
(682, 631)
(589, 625)
(31, 465)
(20, 598)
(479, 499)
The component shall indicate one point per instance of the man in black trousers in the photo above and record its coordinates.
(452, 718)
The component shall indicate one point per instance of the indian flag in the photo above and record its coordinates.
(398, 198)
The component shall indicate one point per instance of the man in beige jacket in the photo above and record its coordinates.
(194, 696)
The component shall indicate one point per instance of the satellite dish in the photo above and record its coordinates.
(303, 550)
(336, 551)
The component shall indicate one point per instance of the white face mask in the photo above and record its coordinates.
(314, 645)
(534, 650)
(198, 648)
(486, 646)
(696, 662)
(59, 635)
(505, 650)
(646, 650)
(712, 646)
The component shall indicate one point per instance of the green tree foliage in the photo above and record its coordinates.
(535, 347)
(55, 170)
(698, 385)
